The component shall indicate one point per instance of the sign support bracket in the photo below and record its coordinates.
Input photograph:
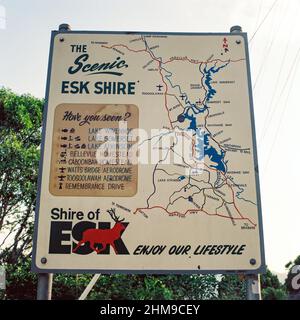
(89, 287)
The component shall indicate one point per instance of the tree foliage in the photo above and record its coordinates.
(271, 288)
(22, 284)
(232, 287)
(293, 276)
(20, 136)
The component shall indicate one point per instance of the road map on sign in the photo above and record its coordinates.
(201, 92)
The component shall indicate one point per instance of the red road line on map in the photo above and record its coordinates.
(162, 78)
(122, 45)
(199, 62)
(193, 210)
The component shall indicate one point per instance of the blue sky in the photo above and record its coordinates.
(24, 42)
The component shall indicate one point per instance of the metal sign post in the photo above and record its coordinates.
(253, 280)
(44, 289)
(253, 287)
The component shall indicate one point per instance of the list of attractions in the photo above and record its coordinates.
(90, 150)
(148, 157)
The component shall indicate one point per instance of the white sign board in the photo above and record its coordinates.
(148, 157)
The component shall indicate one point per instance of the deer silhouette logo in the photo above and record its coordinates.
(104, 237)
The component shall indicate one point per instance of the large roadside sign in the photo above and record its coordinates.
(148, 159)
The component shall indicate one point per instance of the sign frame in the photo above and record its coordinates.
(260, 269)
